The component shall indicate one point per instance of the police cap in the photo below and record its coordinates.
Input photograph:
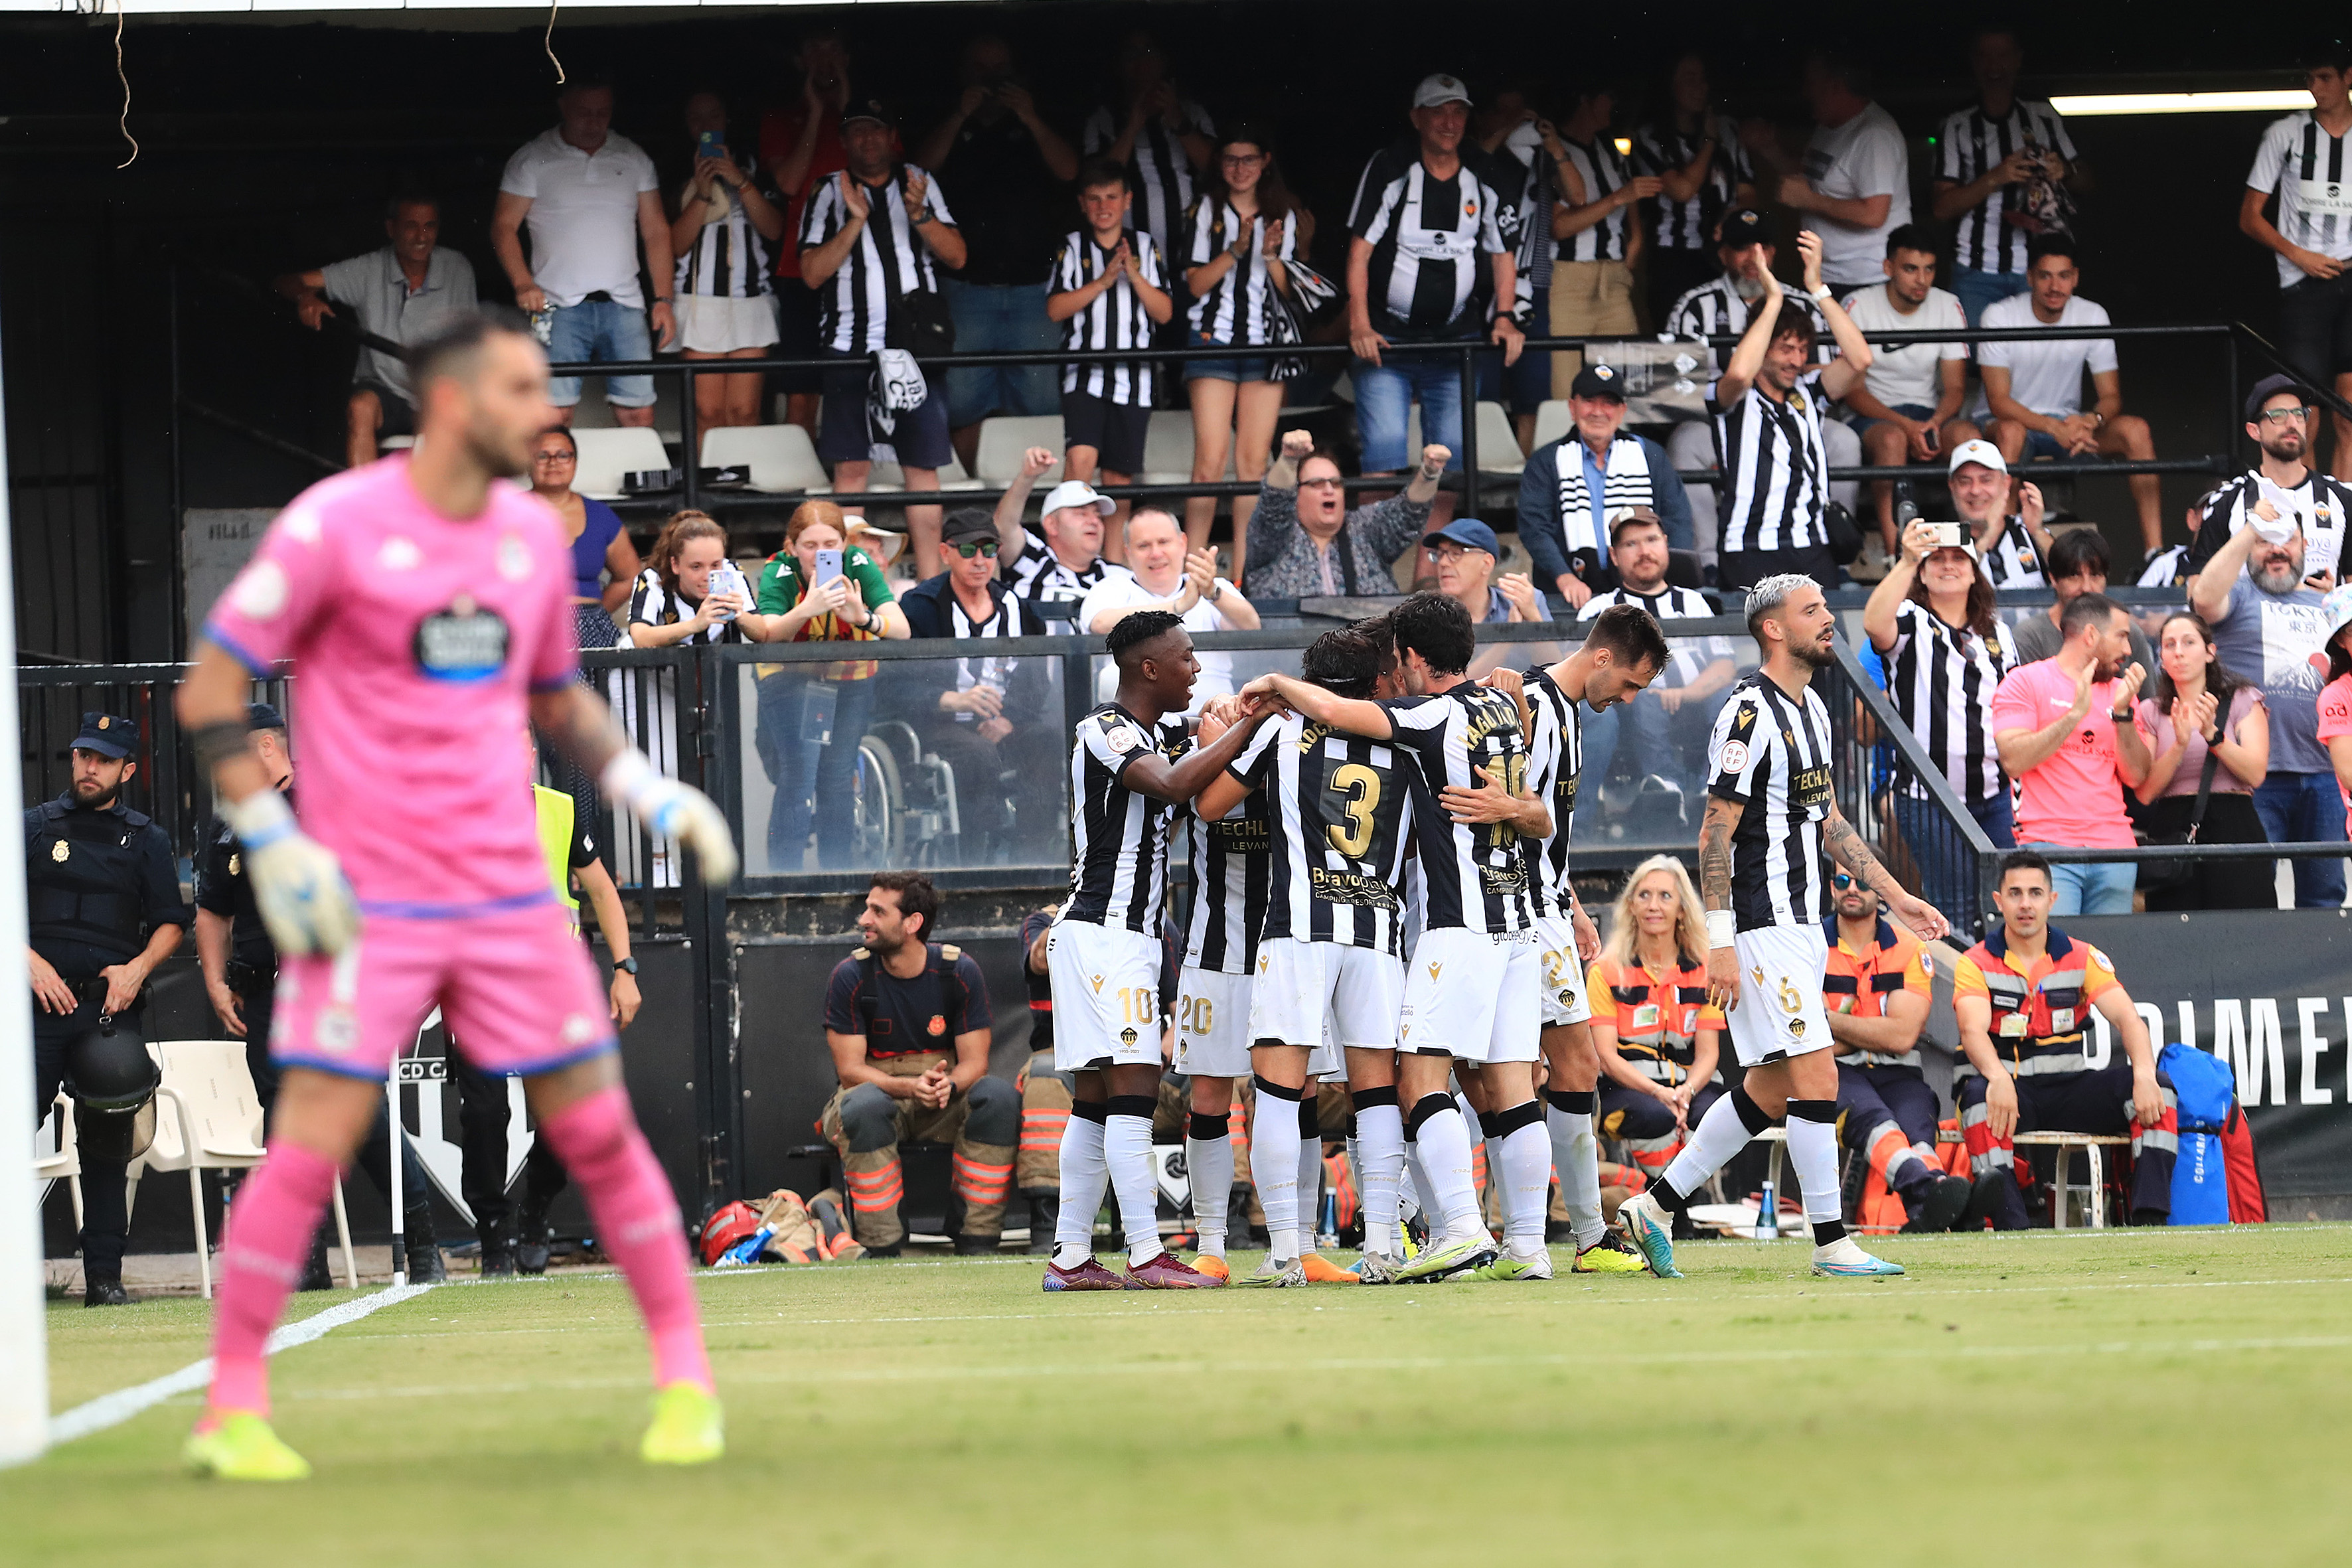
(107, 734)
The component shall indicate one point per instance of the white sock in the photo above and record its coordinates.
(1273, 1165)
(1310, 1190)
(1127, 1149)
(1210, 1162)
(1423, 1194)
(1813, 1155)
(1526, 1175)
(1444, 1144)
(1718, 1136)
(1083, 1178)
(1576, 1161)
(1379, 1140)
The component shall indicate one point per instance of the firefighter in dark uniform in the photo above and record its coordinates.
(240, 970)
(102, 899)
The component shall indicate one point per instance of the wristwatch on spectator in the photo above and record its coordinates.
(625, 966)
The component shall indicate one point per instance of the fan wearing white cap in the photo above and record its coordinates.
(1063, 559)
(2010, 544)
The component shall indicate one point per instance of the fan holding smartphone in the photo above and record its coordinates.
(720, 241)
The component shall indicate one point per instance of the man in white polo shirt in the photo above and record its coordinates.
(1854, 188)
(1906, 408)
(588, 195)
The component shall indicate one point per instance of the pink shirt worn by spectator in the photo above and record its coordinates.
(417, 640)
(2075, 797)
(2335, 718)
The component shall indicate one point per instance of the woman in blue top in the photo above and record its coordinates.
(599, 543)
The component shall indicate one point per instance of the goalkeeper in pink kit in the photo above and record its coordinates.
(425, 602)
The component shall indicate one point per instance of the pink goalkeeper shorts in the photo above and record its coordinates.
(517, 990)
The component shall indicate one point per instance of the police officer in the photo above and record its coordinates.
(102, 897)
(240, 970)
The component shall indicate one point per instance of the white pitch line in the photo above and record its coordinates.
(113, 1409)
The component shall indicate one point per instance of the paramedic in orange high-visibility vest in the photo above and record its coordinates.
(1875, 993)
(1657, 1034)
(2022, 998)
(908, 1022)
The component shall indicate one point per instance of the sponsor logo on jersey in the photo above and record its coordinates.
(465, 642)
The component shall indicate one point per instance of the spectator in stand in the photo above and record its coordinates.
(1854, 185)
(1110, 289)
(1769, 407)
(2034, 391)
(1243, 237)
(998, 722)
(405, 292)
(1703, 171)
(1721, 307)
(1422, 221)
(906, 1019)
(1598, 231)
(725, 226)
(872, 300)
(2301, 160)
(1945, 653)
(812, 717)
(1519, 143)
(1462, 556)
(1160, 137)
(2198, 708)
(1064, 559)
(2283, 425)
(2268, 621)
(2001, 170)
(1668, 721)
(589, 198)
(800, 150)
(2334, 731)
(1169, 577)
(1906, 408)
(2076, 562)
(1009, 168)
(673, 603)
(604, 564)
(2011, 546)
(1304, 543)
(1571, 490)
(2169, 567)
(2065, 729)
(1658, 1035)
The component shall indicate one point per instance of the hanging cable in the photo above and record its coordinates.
(547, 43)
(124, 77)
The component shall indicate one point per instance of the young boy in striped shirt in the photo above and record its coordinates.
(1112, 288)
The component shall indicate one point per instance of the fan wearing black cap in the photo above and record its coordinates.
(102, 904)
(1569, 490)
(2282, 423)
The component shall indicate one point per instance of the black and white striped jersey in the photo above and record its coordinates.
(1012, 618)
(1715, 308)
(1555, 761)
(2319, 504)
(1974, 142)
(1477, 878)
(2167, 569)
(654, 603)
(1659, 148)
(1114, 319)
(1039, 576)
(888, 261)
(2306, 167)
(2013, 561)
(1942, 679)
(729, 259)
(1340, 811)
(1159, 168)
(1600, 168)
(1118, 837)
(1775, 467)
(1431, 239)
(1769, 753)
(1238, 307)
(1686, 658)
(1232, 860)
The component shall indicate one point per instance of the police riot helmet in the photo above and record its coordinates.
(111, 1071)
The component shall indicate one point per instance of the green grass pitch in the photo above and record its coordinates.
(2123, 1397)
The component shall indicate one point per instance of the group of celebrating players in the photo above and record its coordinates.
(1381, 792)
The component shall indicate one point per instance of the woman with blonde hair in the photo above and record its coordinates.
(1657, 1035)
(819, 587)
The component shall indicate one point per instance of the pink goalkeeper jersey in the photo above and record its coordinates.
(416, 641)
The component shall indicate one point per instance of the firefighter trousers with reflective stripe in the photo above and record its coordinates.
(868, 1123)
(2090, 1101)
(1045, 1112)
(1886, 1112)
(1645, 1124)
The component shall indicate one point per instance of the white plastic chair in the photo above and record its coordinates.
(64, 1165)
(1553, 422)
(1005, 436)
(893, 476)
(213, 1124)
(606, 455)
(782, 457)
(1499, 442)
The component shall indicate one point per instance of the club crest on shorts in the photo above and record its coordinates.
(1796, 1028)
(578, 1030)
(338, 1028)
(1127, 1037)
(1567, 997)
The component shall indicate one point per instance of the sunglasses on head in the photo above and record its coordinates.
(967, 548)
